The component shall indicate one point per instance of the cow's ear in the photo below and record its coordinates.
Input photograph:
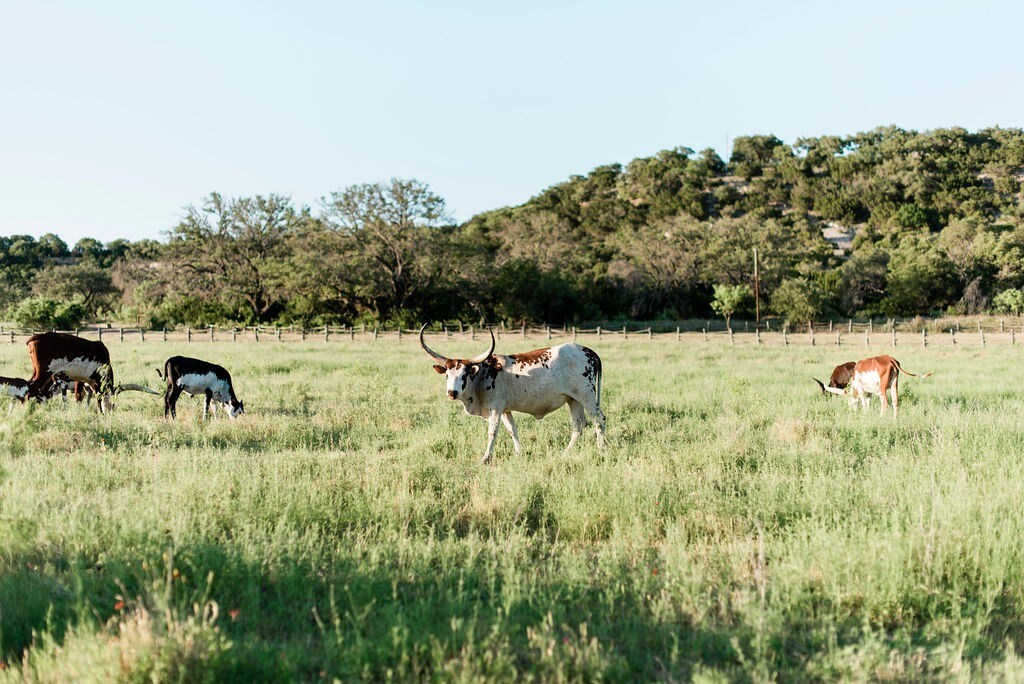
(472, 369)
(439, 369)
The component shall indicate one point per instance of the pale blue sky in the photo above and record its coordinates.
(115, 115)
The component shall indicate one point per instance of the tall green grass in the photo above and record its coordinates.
(739, 526)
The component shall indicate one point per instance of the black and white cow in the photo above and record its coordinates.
(538, 382)
(195, 376)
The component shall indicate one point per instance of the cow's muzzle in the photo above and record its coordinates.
(453, 394)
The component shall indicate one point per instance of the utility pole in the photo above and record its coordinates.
(757, 293)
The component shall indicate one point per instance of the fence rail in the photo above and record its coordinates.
(866, 335)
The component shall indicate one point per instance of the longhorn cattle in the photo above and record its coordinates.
(841, 376)
(195, 376)
(16, 388)
(538, 382)
(59, 356)
(875, 375)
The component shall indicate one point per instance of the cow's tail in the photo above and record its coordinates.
(900, 369)
(159, 373)
(600, 373)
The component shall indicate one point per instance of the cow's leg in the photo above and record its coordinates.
(206, 405)
(493, 420)
(894, 391)
(510, 425)
(589, 403)
(578, 417)
(171, 401)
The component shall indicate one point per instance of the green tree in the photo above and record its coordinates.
(798, 300)
(729, 298)
(386, 242)
(233, 251)
(87, 282)
(42, 313)
(1009, 301)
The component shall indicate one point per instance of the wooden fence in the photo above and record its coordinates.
(850, 334)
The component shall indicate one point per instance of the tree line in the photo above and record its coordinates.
(935, 219)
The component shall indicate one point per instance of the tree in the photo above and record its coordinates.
(1009, 301)
(728, 299)
(798, 300)
(86, 282)
(42, 313)
(232, 251)
(386, 235)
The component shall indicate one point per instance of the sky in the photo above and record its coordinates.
(115, 116)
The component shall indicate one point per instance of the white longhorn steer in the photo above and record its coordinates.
(538, 382)
(195, 376)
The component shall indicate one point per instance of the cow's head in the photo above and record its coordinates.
(234, 408)
(459, 373)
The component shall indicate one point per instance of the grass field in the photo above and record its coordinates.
(738, 526)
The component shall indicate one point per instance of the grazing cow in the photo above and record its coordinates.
(538, 382)
(16, 388)
(194, 376)
(876, 375)
(841, 376)
(59, 356)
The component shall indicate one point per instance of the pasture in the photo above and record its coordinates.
(738, 526)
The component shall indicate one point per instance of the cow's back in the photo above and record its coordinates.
(538, 382)
(45, 347)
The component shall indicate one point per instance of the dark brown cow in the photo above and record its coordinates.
(876, 375)
(72, 358)
(840, 378)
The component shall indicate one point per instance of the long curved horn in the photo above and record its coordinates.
(486, 355)
(430, 352)
(137, 388)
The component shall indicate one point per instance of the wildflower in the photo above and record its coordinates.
(234, 613)
(119, 605)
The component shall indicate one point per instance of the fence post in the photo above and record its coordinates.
(598, 332)
(871, 325)
(120, 334)
(785, 336)
(894, 337)
(867, 341)
(705, 331)
(548, 328)
(757, 335)
(302, 333)
(1013, 338)
(460, 326)
(677, 333)
(982, 333)
(472, 334)
(850, 327)
(165, 334)
(275, 327)
(650, 333)
(623, 332)
(952, 335)
(1000, 325)
(99, 334)
(523, 330)
(142, 334)
(732, 340)
(212, 328)
(351, 334)
(838, 340)
(399, 333)
(810, 331)
(12, 337)
(375, 333)
(924, 337)
(447, 334)
(256, 331)
(234, 334)
(327, 333)
(188, 334)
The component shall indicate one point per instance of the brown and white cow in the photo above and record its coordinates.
(840, 378)
(71, 358)
(876, 375)
(538, 382)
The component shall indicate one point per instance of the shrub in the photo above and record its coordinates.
(41, 313)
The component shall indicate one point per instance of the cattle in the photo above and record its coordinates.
(60, 356)
(875, 375)
(16, 388)
(492, 386)
(841, 376)
(195, 376)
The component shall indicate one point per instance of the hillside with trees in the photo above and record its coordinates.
(933, 223)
